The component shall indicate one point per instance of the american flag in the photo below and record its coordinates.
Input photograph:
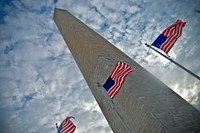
(169, 36)
(117, 78)
(67, 126)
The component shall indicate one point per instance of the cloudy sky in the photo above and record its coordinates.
(40, 84)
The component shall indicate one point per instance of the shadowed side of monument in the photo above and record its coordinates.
(146, 105)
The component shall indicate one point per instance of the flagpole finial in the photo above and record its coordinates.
(197, 11)
(56, 125)
(98, 84)
(147, 44)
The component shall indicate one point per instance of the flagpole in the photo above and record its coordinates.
(57, 126)
(196, 76)
(110, 101)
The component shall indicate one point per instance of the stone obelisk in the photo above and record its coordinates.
(146, 105)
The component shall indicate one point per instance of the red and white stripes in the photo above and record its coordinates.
(68, 126)
(119, 75)
(172, 33)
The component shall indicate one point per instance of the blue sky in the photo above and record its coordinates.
(40, 82)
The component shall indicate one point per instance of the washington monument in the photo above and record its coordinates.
(144, 104)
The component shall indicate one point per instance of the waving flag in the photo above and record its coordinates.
(67, 126)
(117, 78)
(169, 36)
